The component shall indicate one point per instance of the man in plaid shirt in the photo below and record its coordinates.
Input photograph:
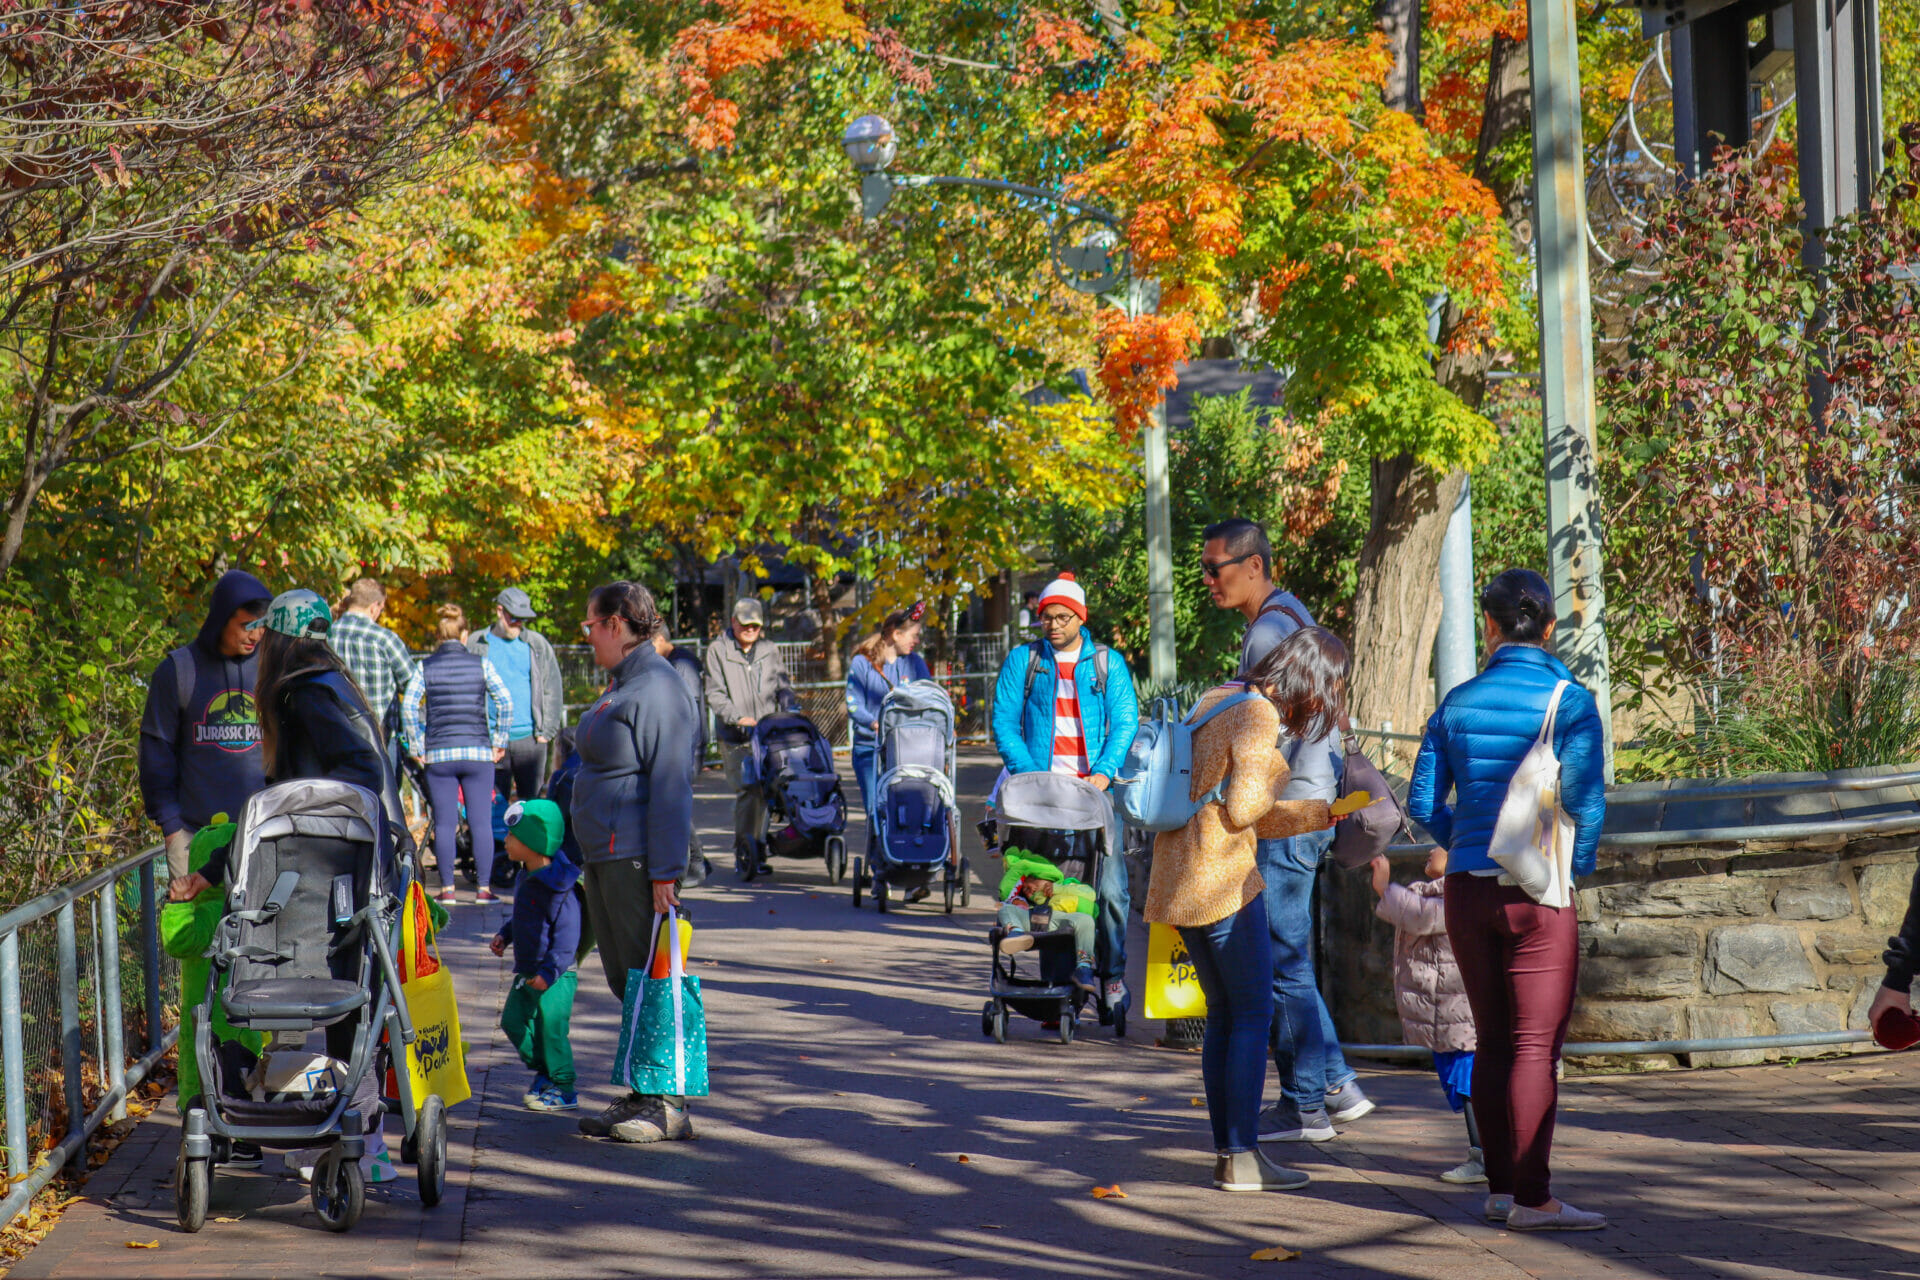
(378, 659)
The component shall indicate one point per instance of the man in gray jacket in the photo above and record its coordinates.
(746, 682)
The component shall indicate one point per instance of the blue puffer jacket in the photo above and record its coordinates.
(1024, 734)
(1476, 740)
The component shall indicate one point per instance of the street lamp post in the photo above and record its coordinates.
(1098, 265)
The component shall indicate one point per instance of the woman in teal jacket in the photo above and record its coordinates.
(1033, 736)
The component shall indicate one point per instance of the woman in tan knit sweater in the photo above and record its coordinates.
(1205, 883)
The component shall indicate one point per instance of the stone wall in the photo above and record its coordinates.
(1680, 943)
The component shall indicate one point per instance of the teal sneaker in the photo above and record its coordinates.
(554, 1098)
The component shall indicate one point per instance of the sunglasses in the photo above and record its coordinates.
(748, 626)
(1212, 568)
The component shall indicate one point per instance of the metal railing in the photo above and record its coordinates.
(67, 959)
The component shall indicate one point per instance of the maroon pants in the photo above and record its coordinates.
(1518, 961)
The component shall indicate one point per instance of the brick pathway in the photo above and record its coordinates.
(850, 1077)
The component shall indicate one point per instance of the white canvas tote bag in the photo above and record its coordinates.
(1533, 838)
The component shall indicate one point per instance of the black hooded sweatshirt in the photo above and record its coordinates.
(200, 754)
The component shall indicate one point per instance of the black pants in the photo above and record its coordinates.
(523, 770)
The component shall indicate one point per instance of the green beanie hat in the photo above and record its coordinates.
(537, 824)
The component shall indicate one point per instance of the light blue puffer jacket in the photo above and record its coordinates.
(1024, 734)
(1478, 737)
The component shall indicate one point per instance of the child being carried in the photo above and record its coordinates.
(1037, 897)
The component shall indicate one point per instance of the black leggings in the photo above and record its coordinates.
(446, 782)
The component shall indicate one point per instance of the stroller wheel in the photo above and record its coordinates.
(339, 1192)
(745, 863)
(430, 1139)
(1120, 1022)
(836, 859)
(966, 883)
(949, 897)
(190, 1179)
(1067, 1021)
(880, 896)
(1000, 1024)
(859, 879)
(986, 1019)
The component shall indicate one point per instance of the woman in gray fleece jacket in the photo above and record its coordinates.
(633, 816)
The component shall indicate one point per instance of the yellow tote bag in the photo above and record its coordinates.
(1173, 988)
(436, 1060)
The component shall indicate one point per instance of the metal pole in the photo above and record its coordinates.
(112, 1015)
(13, 1055)
(1566, 354)
(67, 958)
(1160, 665)
(150, 955)
(1454, 660)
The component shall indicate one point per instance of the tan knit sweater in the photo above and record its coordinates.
(1206, 870)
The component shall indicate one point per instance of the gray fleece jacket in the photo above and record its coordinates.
(633, 796)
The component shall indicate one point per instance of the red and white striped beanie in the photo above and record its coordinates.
(1066, 593)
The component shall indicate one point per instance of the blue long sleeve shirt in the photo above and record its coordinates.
(867, 689)
(545, 927)
(1476, 740)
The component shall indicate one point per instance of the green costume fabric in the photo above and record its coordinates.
(186, 931)
(1068, 894)
(540, 1025)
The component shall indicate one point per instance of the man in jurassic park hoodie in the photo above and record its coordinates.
(199, 737)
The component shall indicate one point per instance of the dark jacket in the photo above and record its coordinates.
(1476, 740)
(545, 926)
(686, 664)
(549, 693)
(456, 685)
(633, 796)
(200, 755)
(327, 731)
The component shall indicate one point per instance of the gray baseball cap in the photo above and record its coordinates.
(515, 602)
(747, 609)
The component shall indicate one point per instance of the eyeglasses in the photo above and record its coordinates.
(1212, 568)
(586, 628)
(1056, 619)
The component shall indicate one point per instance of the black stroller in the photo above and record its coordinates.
(308, 943)
(1070, 823)
(806, 810)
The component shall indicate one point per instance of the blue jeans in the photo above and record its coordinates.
(864, 755)
(1116, 904)
(1233, 961)
(1306, 1049)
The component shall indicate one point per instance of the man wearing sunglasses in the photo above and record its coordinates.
(1065, 704)
(1237, 565)
(746, 682)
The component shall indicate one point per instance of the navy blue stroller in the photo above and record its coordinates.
(916, 815)
(806, 811)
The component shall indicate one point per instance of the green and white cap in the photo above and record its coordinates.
(298, 613)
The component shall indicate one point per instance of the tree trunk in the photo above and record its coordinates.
(1399, 21)
(1396, 606)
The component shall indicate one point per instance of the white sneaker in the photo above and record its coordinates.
(1473, 1170)
(1565, 1218)
(1497, 1208)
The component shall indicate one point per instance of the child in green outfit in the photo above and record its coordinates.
(545, 933)
(186, 931)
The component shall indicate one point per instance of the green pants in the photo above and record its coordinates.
(539, 1024)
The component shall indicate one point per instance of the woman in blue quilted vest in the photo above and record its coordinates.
(1518, 957)
(457, 712)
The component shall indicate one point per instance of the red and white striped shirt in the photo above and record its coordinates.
(1069, 734)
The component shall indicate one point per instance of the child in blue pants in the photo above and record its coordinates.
(1429, 994)
(545, 934)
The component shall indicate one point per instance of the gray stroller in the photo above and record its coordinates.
(308, 944)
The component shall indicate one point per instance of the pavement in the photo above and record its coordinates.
(861, 1126)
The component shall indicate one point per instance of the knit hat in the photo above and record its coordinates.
(537, 824)
(1066, 593)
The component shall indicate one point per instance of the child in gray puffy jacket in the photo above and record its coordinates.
(1428, 992)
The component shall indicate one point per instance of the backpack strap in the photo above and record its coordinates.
(1100, 653)
(1287, 609)
(1222, 705)
(1037, 653)
(183, 676)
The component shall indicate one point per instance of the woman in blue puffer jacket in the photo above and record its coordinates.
(881, 661)
(1518, 959)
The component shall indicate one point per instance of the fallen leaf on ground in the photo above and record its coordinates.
(963, 1160)
(1193, 1102)
(1109, 1193)
(143, 1244)
(1275, 1254)
(1141, 1098)
(226, 1219)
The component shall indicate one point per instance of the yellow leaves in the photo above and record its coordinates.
(1109, 1193)
(143, 1244)
(1352, 803)
(1275, 1254)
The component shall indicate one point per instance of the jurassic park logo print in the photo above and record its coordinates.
(230, 723)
